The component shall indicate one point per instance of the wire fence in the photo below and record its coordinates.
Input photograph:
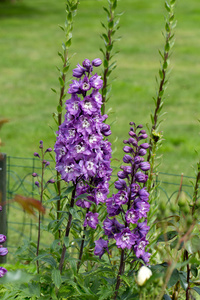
(20, 225)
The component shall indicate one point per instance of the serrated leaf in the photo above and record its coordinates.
(56, 278)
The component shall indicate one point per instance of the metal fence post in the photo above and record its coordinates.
(3, 220)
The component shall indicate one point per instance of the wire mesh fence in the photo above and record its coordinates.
(22, 226)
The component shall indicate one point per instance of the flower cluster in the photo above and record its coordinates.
(3, 251)
(130, 203)
(82, 154)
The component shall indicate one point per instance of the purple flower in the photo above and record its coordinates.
(91, 219)
(96, 62)
(131, 200)
(2, 271)
(3, 251)
(132, 216)
(139, 249)
(79, 71)
(145, 166)
(2, 238)
(141, 177)
(125, 239)
(112, 226)
(121, 198)
(112, 208)
(100, 247)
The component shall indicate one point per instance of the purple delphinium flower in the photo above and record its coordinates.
(100, 247)
(3, 250)
(125, 239)
(2, 271)
(91, 219)
(2, 238)
(112, 226)
(82, 152)
(130, 203)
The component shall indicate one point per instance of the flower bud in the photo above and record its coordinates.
(2, 238)
(127, 159)
(34, 174)
(127, 149)
(37, 183)
(36, 154)
(48, 150)
(145, 166)
(144, 146)
(141, 177)
(143, 275)
(96, 62)
(142, 152)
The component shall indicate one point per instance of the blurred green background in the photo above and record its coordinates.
(30, 39)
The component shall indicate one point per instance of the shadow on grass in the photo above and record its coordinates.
(17, 9)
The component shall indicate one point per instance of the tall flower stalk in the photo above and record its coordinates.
(108, 37)
(82, 153)
(126, 222)
(71, 8)
(155, 136)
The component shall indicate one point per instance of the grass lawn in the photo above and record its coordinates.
(30, 39)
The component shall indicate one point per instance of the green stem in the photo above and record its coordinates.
(62, 259)
(120, 272)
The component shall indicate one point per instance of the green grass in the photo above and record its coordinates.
(30, 39)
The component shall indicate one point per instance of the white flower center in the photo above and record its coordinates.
(79, 148)
(141, 245)
(85, 123)
(99, 194)
(69, 169)
(125, 238)
(131, 215)
(88, 105)
(71, 132)
(92, 139)
(90, 165)
(75, 106)
(86, 86)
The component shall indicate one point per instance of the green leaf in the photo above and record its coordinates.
(111, 24)
(193, 245)
(166, 297)
(168, 236)
(107, 11)
(68, 43)
(66, 241)
(196, 289)
(62, 83)
(183, 280)
(69, 17)
(59, 108)
(173, 279)
(54, 90)
(167, 6)
(167, 27)
(105, 63)
(58, 224)
(65, 69)
(167, 47)
(194, 270)
(105, 37)
(56, 277)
